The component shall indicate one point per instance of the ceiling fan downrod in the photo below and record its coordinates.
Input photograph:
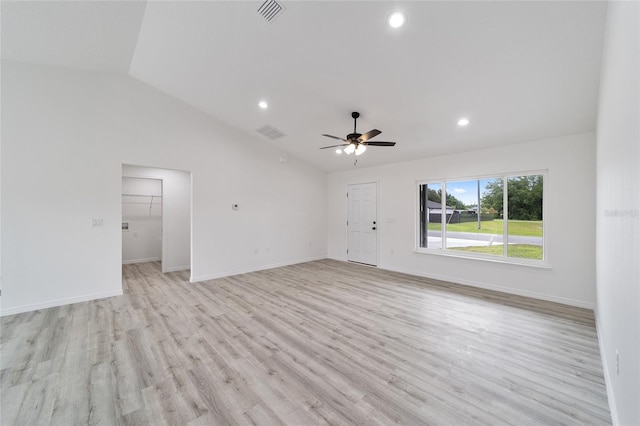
(355, 116)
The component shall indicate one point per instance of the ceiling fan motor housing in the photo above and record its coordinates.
(353, 136)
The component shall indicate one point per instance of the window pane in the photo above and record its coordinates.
(461, 222)
(430, 207)
(472, 226)
(524, 206)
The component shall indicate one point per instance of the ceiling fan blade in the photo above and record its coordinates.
(379, 143)
(370, 134)
(334, 146)
(334, 137)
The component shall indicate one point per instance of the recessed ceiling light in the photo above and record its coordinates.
(397, 19)
(263, 104)
(463, 122)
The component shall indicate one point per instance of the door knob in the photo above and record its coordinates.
(374, 228)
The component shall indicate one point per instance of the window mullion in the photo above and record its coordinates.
(505, 217)
(443, 215)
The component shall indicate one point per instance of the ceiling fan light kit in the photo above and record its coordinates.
(357, 142)
(350, 149)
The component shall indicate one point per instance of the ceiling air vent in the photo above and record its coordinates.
(270, 10)
(270, 132)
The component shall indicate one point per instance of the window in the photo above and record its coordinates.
(479, 218)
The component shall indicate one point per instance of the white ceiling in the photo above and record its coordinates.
(519, 71)
(90, 35)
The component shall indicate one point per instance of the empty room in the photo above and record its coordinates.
(320, 212)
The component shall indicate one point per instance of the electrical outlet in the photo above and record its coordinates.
(617, 363)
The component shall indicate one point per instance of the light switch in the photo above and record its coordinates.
(97, 223)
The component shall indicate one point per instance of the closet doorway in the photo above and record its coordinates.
(141, 220)
(156, 217)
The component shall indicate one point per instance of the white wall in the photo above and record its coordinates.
(176, 188)
(618, 211)
(65, 136)
(142, 212)
(569, 221)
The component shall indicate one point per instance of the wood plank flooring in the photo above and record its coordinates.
(318, 343)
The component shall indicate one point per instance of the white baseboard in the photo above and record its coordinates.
(607, 376)
(486, 286)
(58, 302)
(261, 268)
(132, 261)
(156, 259)
(177, 268)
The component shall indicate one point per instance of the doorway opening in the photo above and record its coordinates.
(156, 217)
(141, 220)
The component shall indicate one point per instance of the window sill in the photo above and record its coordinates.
(538, 264)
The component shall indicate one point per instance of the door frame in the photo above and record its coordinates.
(346, 227)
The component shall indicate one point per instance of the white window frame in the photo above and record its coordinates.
(543, 263)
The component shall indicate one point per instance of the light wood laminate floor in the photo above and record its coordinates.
(323, 342)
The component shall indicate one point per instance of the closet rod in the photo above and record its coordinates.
(139, 195)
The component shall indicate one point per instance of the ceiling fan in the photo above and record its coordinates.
(356, 142)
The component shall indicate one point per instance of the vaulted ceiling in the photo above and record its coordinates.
(519, 71)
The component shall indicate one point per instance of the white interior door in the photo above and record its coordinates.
(362, 241)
